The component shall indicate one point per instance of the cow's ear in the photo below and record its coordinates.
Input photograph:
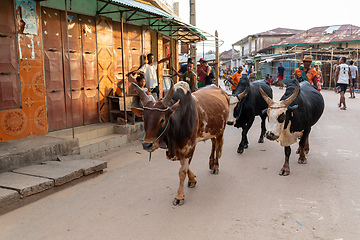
(292, 108)
(138, 111)
(174, 107)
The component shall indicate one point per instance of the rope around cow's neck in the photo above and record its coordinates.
(241, 106)
(142, 138)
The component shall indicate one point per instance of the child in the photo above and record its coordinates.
(318, 75)
(141, 82)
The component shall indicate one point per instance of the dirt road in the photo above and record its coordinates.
(247, 200)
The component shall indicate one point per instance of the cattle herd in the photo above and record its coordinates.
(181, 119)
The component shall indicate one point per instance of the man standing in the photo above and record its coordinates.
(354, 77)
(189, 76)
(201, 71)
(306, 72)
(183, 68)
(149, 71)
(235, 79)
(342, 76)
(280, 74)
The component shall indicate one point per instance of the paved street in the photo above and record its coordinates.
(247, 200)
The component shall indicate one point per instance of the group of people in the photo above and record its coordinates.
(345, 76)
(204, 74)
(147, 77)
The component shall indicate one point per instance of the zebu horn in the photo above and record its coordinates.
(290, 99)
(143, 96)
(268, 100)
(167, 99)
(241, 95)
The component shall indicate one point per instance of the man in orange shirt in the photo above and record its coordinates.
(306, 72)
(235, 78)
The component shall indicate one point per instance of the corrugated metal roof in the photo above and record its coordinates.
(143, 6)
(165, 23)
(323, 35)
(272, 32)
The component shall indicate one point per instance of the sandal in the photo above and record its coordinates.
(343, 108)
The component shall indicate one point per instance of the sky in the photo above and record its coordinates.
(236, 19)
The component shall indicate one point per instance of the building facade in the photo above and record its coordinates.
(249, 46)
(59, 64)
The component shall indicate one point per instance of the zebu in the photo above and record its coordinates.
(179, 121)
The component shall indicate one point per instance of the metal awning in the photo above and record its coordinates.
(139, 13)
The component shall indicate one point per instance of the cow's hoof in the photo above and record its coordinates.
(302, 161)
(178, 202)
(284, 172)
(261, 140)
(192, 184)
(307, 151)
(215, 171)
(246, 146)
(240, 150)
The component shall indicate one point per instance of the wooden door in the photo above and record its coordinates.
(9, 81)
(76, 70)
(53, 61)
(91, 89)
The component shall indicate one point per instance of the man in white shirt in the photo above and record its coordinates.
(149, 70)
(342, 77)
(354, 77)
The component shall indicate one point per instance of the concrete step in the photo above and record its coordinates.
(34, 150)
(30, 180)
(85, 133)
(102, 143)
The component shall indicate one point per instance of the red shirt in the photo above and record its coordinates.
(201, 74)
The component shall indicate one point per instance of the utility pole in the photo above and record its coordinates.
(193, 53)
(216, 59)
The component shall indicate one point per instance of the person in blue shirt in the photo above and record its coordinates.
(280, 75)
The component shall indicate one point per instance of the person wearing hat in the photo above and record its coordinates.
(305, 72)
(201, 71)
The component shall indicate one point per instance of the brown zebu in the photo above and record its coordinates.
(182, 119)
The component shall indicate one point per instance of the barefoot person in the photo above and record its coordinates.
(353, 79)
(342, 77)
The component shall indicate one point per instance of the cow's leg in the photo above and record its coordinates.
(263, 128)
(212, 154)
(219, 140)
(302, 159)
(192, 181)
(244, 142)
(184, 168)
(286, 168)
(307, 145)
